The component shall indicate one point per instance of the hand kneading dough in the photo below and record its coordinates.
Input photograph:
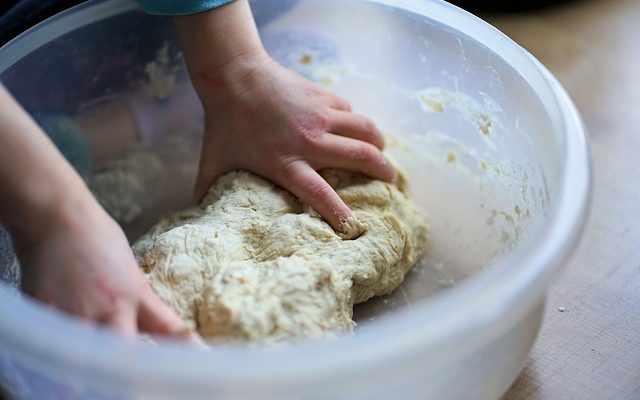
(253, 263)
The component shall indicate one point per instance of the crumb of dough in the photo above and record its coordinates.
(252, 263)
(432, 104)
(306, 59)
(326, 81)
(352, 228)
(451, 156)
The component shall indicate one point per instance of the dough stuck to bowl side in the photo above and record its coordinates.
(252, 263)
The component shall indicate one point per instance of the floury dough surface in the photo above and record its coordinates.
(252, 263)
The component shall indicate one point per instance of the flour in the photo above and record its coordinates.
(251, 263)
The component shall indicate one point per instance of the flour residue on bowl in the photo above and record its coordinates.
(325, 72)
(161, 73)
(310, 54)
(435, 99)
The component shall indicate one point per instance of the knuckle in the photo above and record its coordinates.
(363, 152)
(368, 125)
(321, 122)
(286, 172)
(287, 168)
(342, 103)
(310, 129)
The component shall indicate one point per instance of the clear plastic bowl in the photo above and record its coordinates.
(493, 146)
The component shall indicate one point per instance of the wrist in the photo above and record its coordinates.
(222, 49)
(242, 74)
(47, 212)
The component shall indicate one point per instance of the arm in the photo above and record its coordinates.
(266, 119)
(29, 167)
(73, 255)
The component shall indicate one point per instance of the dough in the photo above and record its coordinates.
(252, 263)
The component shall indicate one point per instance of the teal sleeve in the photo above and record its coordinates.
(179, 7)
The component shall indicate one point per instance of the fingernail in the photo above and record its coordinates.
(345, 217)
(352, 228)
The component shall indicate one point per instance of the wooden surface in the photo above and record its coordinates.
(592, 349)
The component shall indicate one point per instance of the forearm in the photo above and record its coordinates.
(36, 182)
(222, 48)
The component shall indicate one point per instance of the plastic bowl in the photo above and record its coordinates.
(495, 151)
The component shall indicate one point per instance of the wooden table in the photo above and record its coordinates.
(591, 350)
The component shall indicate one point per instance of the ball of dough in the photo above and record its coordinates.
(253, 263)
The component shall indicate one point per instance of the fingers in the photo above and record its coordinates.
(195, 339)
(123, 319)
(338, 103)
(155, 317)
(311, 188)
(335, 151)
(355, 126)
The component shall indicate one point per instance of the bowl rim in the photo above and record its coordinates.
(473, 312)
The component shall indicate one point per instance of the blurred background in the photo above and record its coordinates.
(18, 15)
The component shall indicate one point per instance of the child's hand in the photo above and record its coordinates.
(82, 264)
(281, 126)
(73, 255)
(266, 119)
